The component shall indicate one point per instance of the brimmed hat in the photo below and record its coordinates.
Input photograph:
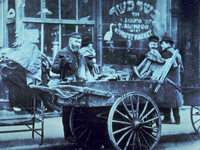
(167, 38)
(87, 40)
(153, 38)
(76, 35)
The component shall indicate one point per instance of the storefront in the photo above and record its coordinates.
(119, 28)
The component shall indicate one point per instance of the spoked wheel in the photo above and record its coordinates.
(134, 122)
(195, 118)
(88, 126)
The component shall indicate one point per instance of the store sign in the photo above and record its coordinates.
(135, 20)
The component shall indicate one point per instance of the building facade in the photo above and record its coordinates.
(119, 28)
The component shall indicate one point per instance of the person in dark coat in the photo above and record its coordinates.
(174, 96)
(72, 67)
(70, 63)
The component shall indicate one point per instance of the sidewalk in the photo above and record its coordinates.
(53, 136)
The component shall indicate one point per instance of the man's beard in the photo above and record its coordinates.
(74, 48)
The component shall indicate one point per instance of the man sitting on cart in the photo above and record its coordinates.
(71, 66)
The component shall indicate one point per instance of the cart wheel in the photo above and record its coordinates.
(134, 122)
(89, 127)
(195, 118)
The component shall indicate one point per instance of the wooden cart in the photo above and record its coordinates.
(124, 113)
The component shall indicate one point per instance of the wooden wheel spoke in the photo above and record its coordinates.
(129, 139)
(145, 107)
(127, 110)
(132, 106)
(153, 128)
(149, 134)
(197, 121)
(122, 122)
(148, 113)
(134, 137)
(197, 108)
(83, 133)
(123, 136)
(83, 114)
(83, 125)
(145, 140)
(123, 115)
(147, 121)
(198, 128)
(138, 139)
(137, 109)
(88, 137)
(123, 129)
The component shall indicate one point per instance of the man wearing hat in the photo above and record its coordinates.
(89, 53)
(71, 66)
(174, 98)
(69, 62)
(149, 67)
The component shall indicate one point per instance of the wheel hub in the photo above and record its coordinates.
(136, 124)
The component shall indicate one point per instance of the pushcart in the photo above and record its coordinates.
(122, 113)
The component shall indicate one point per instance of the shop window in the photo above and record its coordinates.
(51, 35)
(11, 4)
(11, 34)
(134, 21)
(52, 9)
(85, 9)
(68, 9)
(32, 8)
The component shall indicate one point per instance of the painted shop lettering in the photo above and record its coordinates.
(136, 23)
(130, 6)
(132, 36)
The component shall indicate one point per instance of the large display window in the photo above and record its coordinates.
(48, 23)
(127, 26)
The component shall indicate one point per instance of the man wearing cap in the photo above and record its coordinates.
(71, 66)
(174, 98)
(89, 53)
(69, 63)
(149, 67)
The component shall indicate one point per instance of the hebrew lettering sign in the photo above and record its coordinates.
(135, 20)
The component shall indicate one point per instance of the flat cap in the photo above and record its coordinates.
(76, 35)
(153, 38)
(167, 38)
(87, 40)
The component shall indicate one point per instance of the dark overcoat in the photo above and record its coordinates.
(174, 97)
(75, 68)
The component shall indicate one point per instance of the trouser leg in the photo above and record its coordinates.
(176, 114)
(65, 120)
(166, 112)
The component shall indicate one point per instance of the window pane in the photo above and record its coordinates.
(68, 9)
(85, 29)
(51, 35)
(134, 21)
(11, 4)
(29, 11)
(52, 8)
(11, 34)
(85, 9)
